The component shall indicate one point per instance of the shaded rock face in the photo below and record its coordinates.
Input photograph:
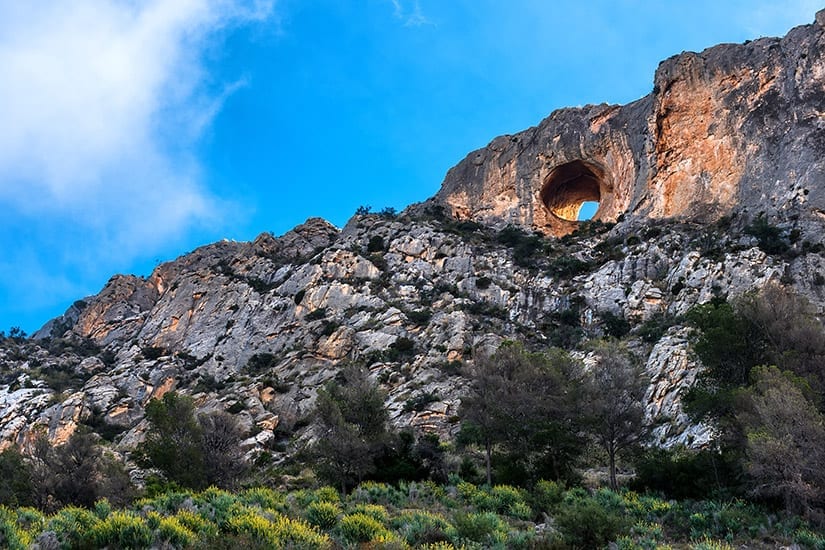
(733, 129)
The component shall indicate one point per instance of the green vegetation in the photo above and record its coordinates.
(540, 431)
(192, 451)
(520, 409)
(763, 386)
(408, 515)
(769, 236)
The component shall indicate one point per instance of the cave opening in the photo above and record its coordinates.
(587, 210)
(573, 191)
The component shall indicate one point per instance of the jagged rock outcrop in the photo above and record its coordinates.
(256, 328)
(733, 129)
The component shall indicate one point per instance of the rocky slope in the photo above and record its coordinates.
(256, 328)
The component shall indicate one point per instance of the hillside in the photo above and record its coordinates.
(711, 187)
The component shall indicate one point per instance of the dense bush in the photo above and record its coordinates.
(584, 523)
(17, 488)
(769, 236)
(568, 266)
(193, 451)
(323, 515)
(421, 515)
(683, 473)
(526, 248)
(360, 527)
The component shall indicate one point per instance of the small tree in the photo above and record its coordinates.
(788, 330)
(192, 451)
(612, 404)
(76, 473)
(785, 446)
(352, 422)
(519, 402)
(223, 458)
(173, 441)
(16, 473)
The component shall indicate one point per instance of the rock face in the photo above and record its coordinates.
(257, 328)
(733, 129)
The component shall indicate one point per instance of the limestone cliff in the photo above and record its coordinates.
(733, 129)
(256, 328)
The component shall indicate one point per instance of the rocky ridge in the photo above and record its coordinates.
(256, 328)
(737, 128)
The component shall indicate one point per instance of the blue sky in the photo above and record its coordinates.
(134, 132)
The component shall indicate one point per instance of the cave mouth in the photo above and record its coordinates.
(587, 210)
(571, 185)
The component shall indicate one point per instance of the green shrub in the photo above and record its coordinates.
(323, 515)
(316, 314)
(11, 536)
(505, 498)
(102, 508)
(654, 328)
(584, 523)
(166, 501)
(769, 236)
(810, 539)
(419, 317)
(709, 544)
(614, 325)
(437, 546)
(643, 536)
(263, 497)
(546, 496)
(420, 401)
(568, 266)
(519, 510)
(73, 526)
(378, 493)
(375, 511)
(360, 528)
(17, 488)
(419, 527)
(172, 531)
(153, 352)
(483, 283)
(482, 527)
(525, 247)
(281, 532)
(326, 494)
(376, 244)
(260, 363)
(121, 530)
(196, 523)
(30, 519)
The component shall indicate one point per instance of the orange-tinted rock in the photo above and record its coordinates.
(735, 128)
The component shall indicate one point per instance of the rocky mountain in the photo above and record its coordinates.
(737, 128)
(711, 185)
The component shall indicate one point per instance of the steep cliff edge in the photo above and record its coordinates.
(735, 129)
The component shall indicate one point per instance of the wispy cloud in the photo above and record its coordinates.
(410, 13)
(91, 92)
(102, 103)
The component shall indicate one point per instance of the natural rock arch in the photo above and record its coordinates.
(570, 185)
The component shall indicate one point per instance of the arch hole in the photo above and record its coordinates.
(587, 210)
(573, 191)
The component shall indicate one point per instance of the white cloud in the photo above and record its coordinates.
(410, 13)
(92, 91)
